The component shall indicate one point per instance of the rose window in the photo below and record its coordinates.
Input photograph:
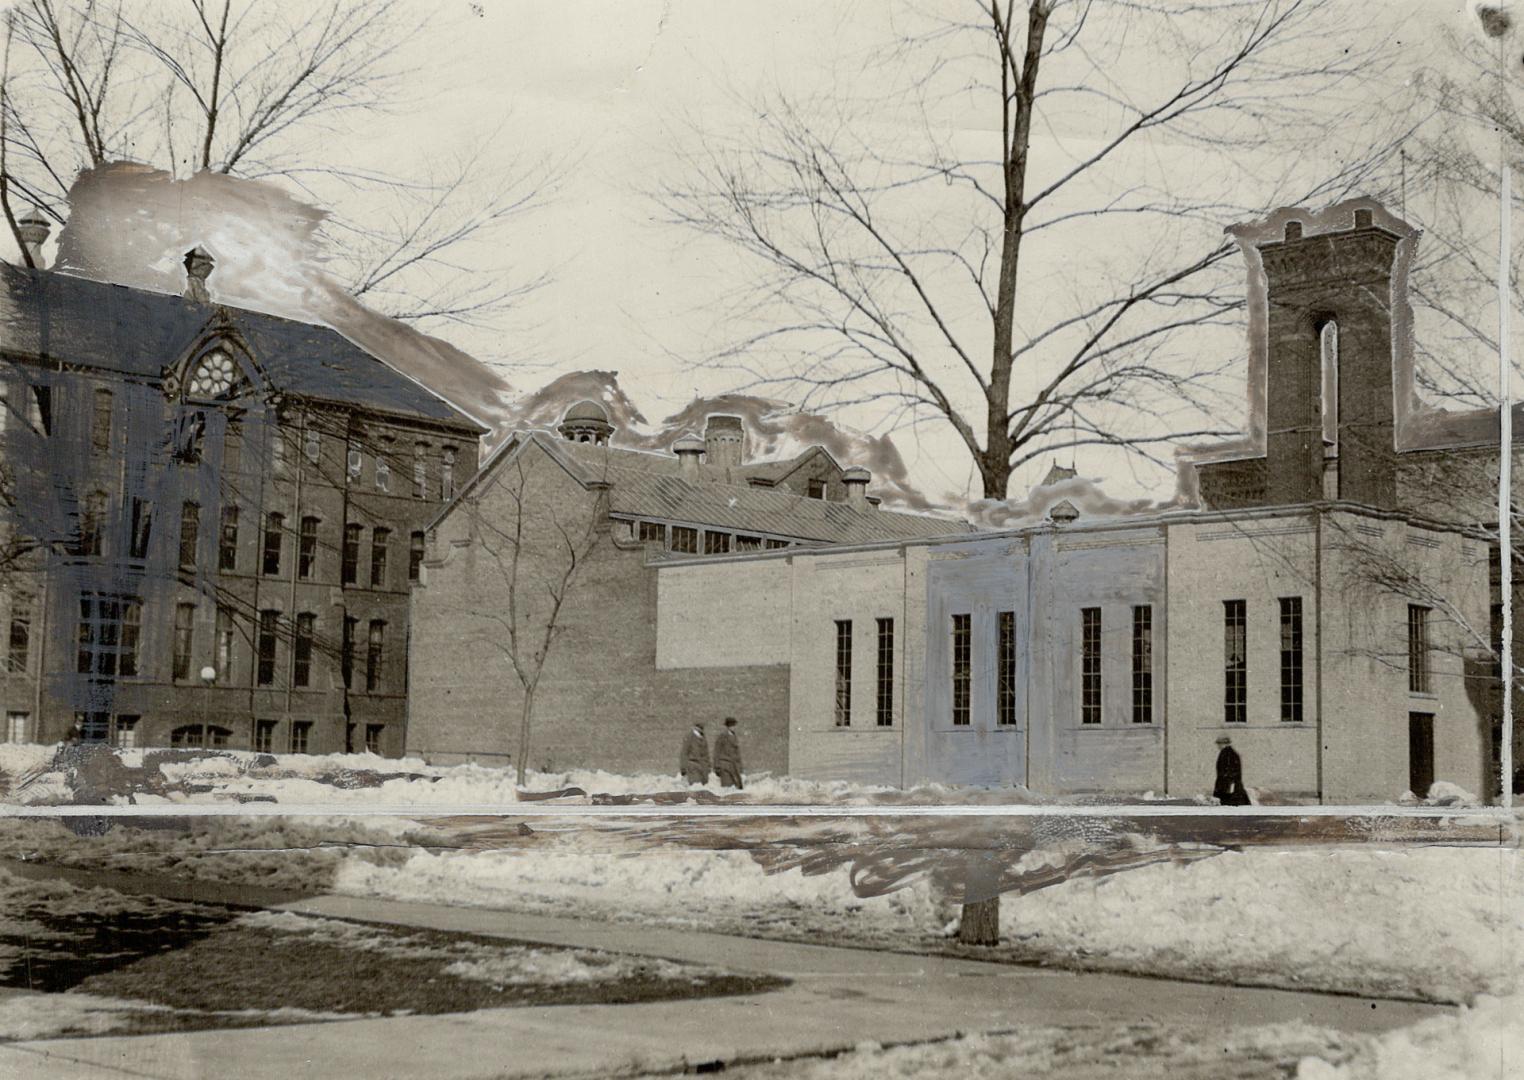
(214, 375)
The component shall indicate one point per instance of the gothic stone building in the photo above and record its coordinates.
(559, 539)
(212, 518)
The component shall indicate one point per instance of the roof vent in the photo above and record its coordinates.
(1063, 513)
(198, 267)
(34, 230)
(688, 449)
(725, 441)
(856, 480)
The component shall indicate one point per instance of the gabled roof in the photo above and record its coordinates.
(645, 484)
(71, 319)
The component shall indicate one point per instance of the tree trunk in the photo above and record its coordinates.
(980, 923)
(524, 735)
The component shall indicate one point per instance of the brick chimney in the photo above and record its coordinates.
(856, 480)
(688, 449)
(198, 267)
(725, 441)
(34, 230)
(1342, 277)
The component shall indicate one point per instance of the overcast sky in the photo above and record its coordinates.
(614, 89)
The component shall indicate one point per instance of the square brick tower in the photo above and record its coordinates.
(1342, 278)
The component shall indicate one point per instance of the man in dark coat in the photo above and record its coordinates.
(727, 754)
(694, 762)
(1229, 789)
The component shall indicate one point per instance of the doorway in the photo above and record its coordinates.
(1420, 753)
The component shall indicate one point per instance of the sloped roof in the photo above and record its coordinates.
(58, 316)
(644, 484)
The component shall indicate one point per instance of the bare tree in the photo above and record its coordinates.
(537, 546)
(1056, 282)
(252, 90)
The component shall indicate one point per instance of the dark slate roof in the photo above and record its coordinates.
(58, 316)
(645, 484)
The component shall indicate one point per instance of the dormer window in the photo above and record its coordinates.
(214, 375)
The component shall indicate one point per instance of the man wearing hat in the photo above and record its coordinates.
(727, 754)
(693, 764)
(1229, 789)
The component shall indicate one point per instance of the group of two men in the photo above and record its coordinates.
(694, 762)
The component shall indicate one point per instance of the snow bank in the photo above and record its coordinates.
(1482, 1042)
(1448, 922)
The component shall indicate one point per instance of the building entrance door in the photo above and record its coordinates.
(1420, 753)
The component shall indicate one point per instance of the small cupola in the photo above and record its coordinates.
(1064, 513)
(856, 480)
(588, 422)
(34, 230)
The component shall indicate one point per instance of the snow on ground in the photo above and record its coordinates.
(1482, 1042)
(25, 1015)
(1432, 922)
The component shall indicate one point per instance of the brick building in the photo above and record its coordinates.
(567, 532)
(1328, 609)
(213, 517)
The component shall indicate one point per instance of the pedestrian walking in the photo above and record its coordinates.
(727, 754)
(1229, 789)
(694, 762)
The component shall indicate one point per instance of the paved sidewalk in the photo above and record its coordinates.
(839, 997)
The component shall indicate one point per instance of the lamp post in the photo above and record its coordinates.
(208, 677)
(1497, 23)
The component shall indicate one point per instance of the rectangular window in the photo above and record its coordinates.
(373, 648)
(109, 628)
(748, 543)
(1419, 681)
(962, 669)
(94, 727)
(373, 738)
(351, 562)
(232, 452)
(92, 522)
(884, 705)
(1090, 665)
(651, 532)
(420, 471)
(269, 621)
(1142, 664)
(447, 474)
(275, 527)
(126, 732)
(18, 658)
(1005, 682)
(356, 461)
(142, 528)
(264, 736)
(1291, 659)
(774, 545)
(816, 489)
(1235, 661)
(224, 644)
(307, 548)
(185, 628)
(716, 543)
(379, 539)
(17, 725)
(301, 649)
(190, 533)
(300, 730)
(383, 474)
(684, 539)
(843, 672)
(414, 555)
(278, 451)
(100, 428)
(314, 445)
(227, 539)
(42, 409)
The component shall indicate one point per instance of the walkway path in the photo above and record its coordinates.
(839, 998)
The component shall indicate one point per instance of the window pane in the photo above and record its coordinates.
(1419, 681)
(268, 622)
(843, 672)
(1291, 659)
(1142, 664)
(307, 548)
(962, 668)
(227, 540)
(1005, 689)
(275, 525)
(351, 557)
(190, 532)
(884, 706)
(1235, 662)
(378, 543)
(1090, 665)
(414, 555)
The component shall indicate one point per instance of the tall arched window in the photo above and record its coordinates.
(1328, 346)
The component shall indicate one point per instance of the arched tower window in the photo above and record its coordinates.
(1328, 347)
